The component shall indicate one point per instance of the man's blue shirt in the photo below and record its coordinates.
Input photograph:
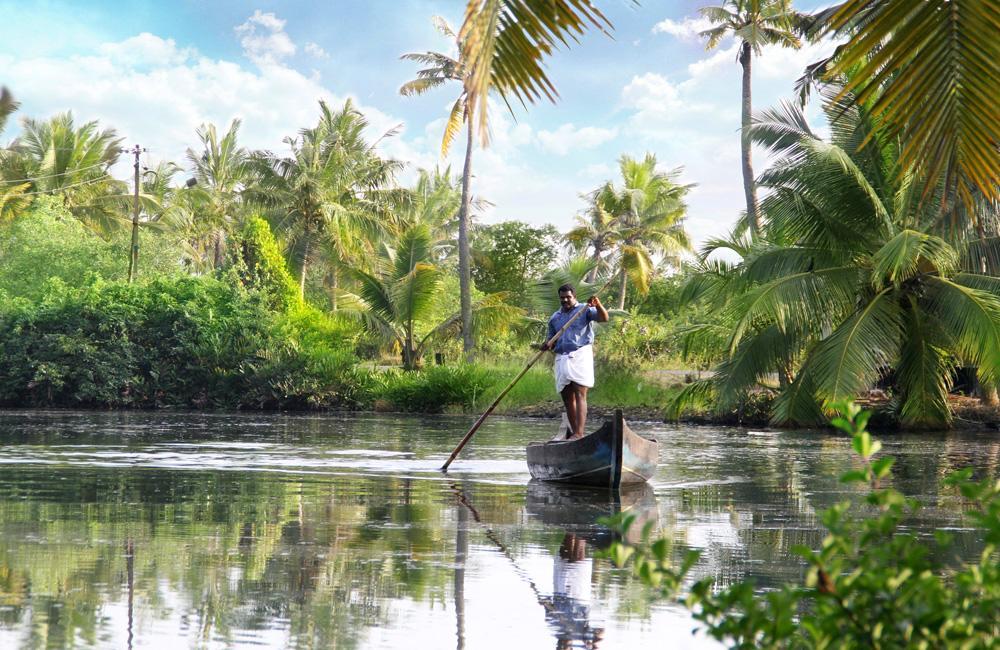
(578, 334)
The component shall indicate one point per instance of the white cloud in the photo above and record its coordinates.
(686, 30)
(651, 92)
(315, 50)
(777, 62)
(264, 39)
(161, 103)
(773, 62)
(659, 107)
(720, 58)
(569, 138)
(145, 50)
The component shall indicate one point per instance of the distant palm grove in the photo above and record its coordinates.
(866, 262)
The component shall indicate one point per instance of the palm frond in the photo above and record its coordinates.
(923, 373)
(504, 44)
(930, 69)
(797, 404)
(412, 249)
(972, 318)
(780, 128)
(794, 299)
(456, 118)
(982, 256)
(909, 253)
(757, 356)
(413, 294)
(850, 359)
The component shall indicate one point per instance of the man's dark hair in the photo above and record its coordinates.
(567, 287)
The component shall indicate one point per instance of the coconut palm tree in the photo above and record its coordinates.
(440, 69)
(435, 200)
(502, 46)
(650, 221)
(754, 23)
(850, 281)
(13, 184)
(596, 228)
(57, 157)
(7, 106)
(396, 299)
(333, 191)
(220, 170)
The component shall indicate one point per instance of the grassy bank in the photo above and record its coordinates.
(535, 393)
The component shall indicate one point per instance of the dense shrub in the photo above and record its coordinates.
(257, 262)
(48, 242)
(626, 344)
(436, 388)
(183, 341)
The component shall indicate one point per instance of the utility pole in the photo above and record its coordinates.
(133, 262)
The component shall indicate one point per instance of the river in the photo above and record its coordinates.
(194, 530)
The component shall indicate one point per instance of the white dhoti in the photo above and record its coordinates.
(576, 366)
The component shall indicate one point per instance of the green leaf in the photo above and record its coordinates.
(883, 466)
(855, 476)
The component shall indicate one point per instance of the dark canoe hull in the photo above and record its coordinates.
(613, 455)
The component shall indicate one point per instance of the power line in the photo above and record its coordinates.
(65, 173)
(65, 187)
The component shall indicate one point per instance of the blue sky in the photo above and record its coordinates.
(155, 71)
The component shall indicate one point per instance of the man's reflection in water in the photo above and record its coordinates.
(569, 612)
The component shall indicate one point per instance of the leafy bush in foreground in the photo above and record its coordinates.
(870, 585)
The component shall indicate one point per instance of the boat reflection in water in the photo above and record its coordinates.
(576, 510)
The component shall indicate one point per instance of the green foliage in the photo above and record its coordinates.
(398, 301)
(436, 388)
(259, 264)
(850, 276)
(627, 344)
(871, 584)
(510, 255)
(191, 342)
(48, 242)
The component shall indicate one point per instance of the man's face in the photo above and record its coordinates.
(567, 299)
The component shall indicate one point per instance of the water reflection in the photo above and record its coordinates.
(569, 607)
(152, 530)
(577, 512)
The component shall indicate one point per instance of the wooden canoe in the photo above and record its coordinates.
(613, 455)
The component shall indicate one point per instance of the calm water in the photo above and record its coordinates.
(230, 531)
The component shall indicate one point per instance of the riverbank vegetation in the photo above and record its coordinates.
(311, 277)
(871, 584)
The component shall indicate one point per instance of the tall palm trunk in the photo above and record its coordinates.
(302, 276)
(409, 362)
(592, 274)
(218, 248)
(748, 180)
(622, 286)
(334, 287)
(464, 272)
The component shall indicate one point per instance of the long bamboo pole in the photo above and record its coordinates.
(548, 346)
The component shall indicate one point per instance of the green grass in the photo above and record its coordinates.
(627, 389)
(622, 389)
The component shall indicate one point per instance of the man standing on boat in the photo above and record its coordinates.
(574, 352)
